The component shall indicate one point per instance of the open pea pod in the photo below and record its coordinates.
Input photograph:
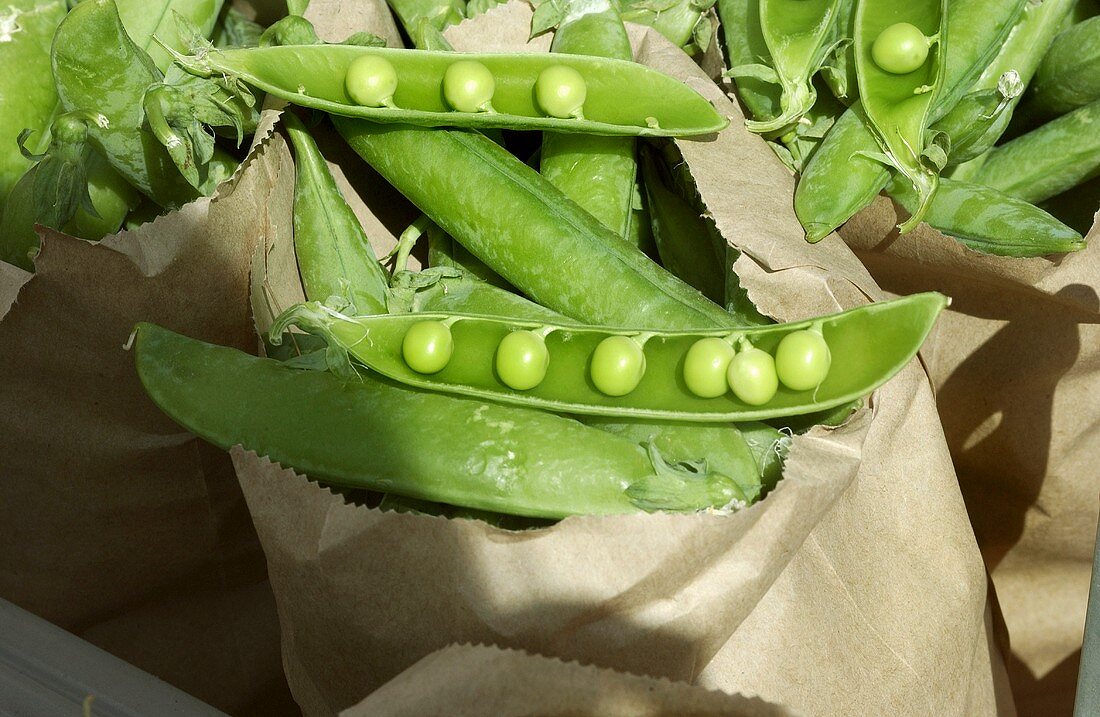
(797, 33)
(619, 97)
(900, 69)
(574, 368)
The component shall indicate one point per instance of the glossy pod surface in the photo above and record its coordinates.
(868, 345)
(622, 98)
(498, 458)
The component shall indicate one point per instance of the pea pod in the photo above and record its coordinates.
(436, 13)
(1049, 160)
(840, 179)
(488, 457)
(745, 45)
(525, 229)
(1069, 76)
(145, 20)
(26, 102)
(620, 98)
(990, 221)
(334, 254)
(968, 124)
(598, 173)
(684, 23)
(797, 34)
(867, 346)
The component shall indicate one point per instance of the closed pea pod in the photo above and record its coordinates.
(1069, 76)
(606, 371)
(533, 91)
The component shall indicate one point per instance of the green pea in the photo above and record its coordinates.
(705, 367)
(371, 81)
(560, 91)
(900, 49)
(618, 364)
(752, 376)
(468, 86)
(427, 346)
(522, 360)
(802, 360)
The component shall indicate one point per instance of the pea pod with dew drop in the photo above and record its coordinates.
(361, 433)
(1069, 76)
(1021, 52)
(867, 346)
(798, 34)
(598, 173)
(1049, 160)
(335, 257)
(968, 124)
(992, 222)
(619, 98)
(526, 230)
(26, 102)
(840, 178)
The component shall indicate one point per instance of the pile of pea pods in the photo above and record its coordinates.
(571, 285)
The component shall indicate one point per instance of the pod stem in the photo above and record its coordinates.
(684, 487)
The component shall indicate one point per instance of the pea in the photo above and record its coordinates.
(371, 81)
(560, 91)
(468, 86)
(522, 360)
(900, 49)
(752, 376)
(705, 367)
(618, 364)
(802, 360)
(427, 346)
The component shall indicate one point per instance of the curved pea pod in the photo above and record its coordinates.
(335, 257)
(868, 345)
(990, 221)
(108, 86)
(1046, 161)
(797, 34)
(621, 98)
(369, 433)
(26, 102)
(1069, 76)
(525, 229)
(898, 104)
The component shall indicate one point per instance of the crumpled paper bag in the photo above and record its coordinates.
(1016, 364)
(856, 586)
(114, 523)
(485, 681)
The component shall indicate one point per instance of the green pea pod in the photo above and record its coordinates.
(445, 251)
(968, 124)
(108, 86)
(990, 221)
(684, 23)
(335, 257)
(898, 104)
(1069, 76)
(1021, 52)
(840, 73)
(1078, 206)
(525, 229)
(745, 45)
(621, 98)
(489, 457)
(1049, 160)
(840, 179)
(684, 241)
(868, 345)
(598, 173)
(798, 34)
(26, 102)
(437, 13)
(145, 20)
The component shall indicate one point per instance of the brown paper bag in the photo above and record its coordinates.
(1016, 364)
(114, 523)
(484, 681)
(855, 587)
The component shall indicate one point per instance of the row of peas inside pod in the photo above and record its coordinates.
(919, 100)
